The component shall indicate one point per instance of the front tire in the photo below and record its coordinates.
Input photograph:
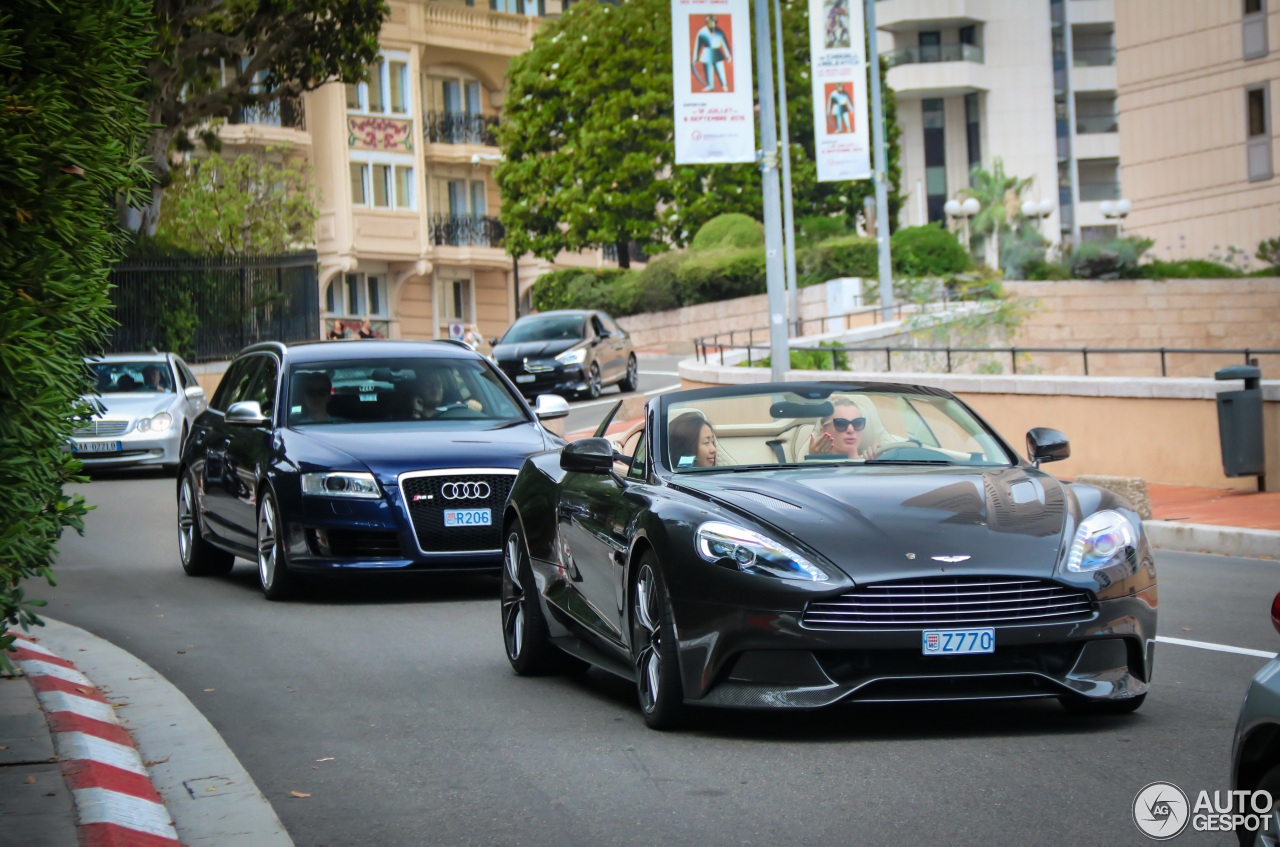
(592, 391)
(632, 379)
(199, 557)
(277, 581)
(1078, 705)
(524, 628)
(653, 649)
(1269, 835)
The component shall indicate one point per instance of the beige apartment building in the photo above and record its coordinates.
(1032, 82)
(408, 235)
(1197, 85)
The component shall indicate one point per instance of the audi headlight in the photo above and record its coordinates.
(1101, 539)
(341, 484)
(753, 553)
(573, 357)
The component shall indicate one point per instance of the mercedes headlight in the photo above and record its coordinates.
(753, 553)
(1102, 538)
(573, 357)
(160, 423)
(341, 484)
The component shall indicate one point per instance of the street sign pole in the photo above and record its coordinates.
(788, 212)
(775, 273)
(879, 164)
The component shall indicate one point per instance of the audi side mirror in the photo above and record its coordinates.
(550, 407)
(588, 455)
(1047, 445)
(245, 413)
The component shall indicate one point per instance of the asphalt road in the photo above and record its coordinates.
(657, 373)
(401, 687)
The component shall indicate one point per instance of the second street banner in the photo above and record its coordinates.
(837, 50)
(711, 56)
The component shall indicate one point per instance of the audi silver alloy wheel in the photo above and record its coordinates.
(513, 620)
(267, 544)
(647, 614)
(186, 520)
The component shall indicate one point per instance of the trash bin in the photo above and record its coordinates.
(1240, 424)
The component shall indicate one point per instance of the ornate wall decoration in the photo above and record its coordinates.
(373, 133)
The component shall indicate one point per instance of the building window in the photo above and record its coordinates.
(455, 300)
(359, 179)
(357, 295)
(1255, 29)
(1258, 144)
(382, 184)
(398, 82)
(973, 130)
(930, 46)
(459, 197)
(404, 187)
(528, 8)
(386, 90)
(935, 157)
(374, 87)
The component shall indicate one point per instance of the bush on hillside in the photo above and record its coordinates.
(658, 285)
(1117, 258)
(848, 255)
(721, 275)
(1188, 269)
(732, 230)
(72, 131)
(814, 228)
(565, 288)
(928, 250)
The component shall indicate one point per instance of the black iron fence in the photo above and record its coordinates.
(460, 128)
(465, 230)
(210, 307)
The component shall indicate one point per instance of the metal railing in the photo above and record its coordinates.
(1090, 191)
(1093, 57)
(465, 230)
(460, 128)
(285, 112)
(928, 53)
(1086, 124)
(702, 348)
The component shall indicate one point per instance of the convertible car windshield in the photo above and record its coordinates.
(367, 390)
(855, 426)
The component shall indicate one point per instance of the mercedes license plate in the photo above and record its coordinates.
(467, 517)
(95, 446)
(956, 642)
(525, 378)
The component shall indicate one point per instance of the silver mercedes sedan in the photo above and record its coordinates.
(144, 406)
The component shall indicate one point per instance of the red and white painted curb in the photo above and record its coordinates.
(116, 802)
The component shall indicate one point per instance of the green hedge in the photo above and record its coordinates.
(846, 255)
(928, 250)
(729, 230)
(71, 132)
(720, 275)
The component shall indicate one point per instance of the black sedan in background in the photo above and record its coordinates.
(567, 353)
(354, 456)
(789, 546)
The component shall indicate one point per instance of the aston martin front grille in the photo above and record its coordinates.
(98, 427)
(950, 602)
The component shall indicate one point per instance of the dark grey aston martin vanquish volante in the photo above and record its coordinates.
(794, 545)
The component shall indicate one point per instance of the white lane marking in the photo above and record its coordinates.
(79, 745)
(1221, 648)
(61, 701)
(100, 805)
(661, 373)
(33, 647)
(35, 667)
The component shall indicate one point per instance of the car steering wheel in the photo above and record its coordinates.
(448, 411)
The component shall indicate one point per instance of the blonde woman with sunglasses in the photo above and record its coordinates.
(841, 431)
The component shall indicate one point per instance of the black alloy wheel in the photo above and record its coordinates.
(653, 649)
(524, 629)
(277, 581)
(199, 557)
(632, 379)
(593, 382)
(1268, 835)
(1079, 705)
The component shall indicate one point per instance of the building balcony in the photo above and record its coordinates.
(1088, 124)
(1093, 57)
(1094, 192)
(1097, 145)
(460, 128)
(941, 70)
(465, 231)
(281, 122)
(909, 15)
(476, 30)
(1093, 78)
(928, 53)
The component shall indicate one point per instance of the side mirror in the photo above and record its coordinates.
(1047, 445)
(194, 391)
(493, 342)
(550, 407)
(589, 455)
(245, 413)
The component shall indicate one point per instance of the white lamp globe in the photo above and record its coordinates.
(1123, 207)
(1046, 206)
(1029, 209)
(1107, 208)
(952, 208)
(971, 206)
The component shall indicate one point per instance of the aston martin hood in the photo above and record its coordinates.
(891, 522)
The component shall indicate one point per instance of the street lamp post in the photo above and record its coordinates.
(1116, 210)
(1038, 211)
(963, 210)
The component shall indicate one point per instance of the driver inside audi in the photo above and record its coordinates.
(431, 398)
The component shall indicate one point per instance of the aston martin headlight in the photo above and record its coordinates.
(1102, 538)
(753, 553)
(573, 357)
(341, 484)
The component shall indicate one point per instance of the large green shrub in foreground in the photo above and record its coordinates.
(70, 130)
(928, 250)
(847, 255)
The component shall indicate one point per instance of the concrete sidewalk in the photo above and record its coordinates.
(1215, 520)
(104, 751)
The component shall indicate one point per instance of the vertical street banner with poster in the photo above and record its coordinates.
(711, 57)
(837, 50)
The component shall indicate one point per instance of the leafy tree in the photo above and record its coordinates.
(249, 204)
(999, 196)
(71, 133)
(588, 146)
(210, 57)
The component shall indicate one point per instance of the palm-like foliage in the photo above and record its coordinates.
(1000, 197)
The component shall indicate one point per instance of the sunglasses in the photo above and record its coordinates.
(841, 424)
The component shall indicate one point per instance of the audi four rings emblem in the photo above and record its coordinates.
(464, 490)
